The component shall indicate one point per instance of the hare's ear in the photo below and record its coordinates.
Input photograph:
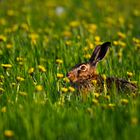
(99, 53)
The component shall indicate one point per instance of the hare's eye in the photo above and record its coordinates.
(83, 67)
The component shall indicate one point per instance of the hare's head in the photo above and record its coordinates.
(85, 71)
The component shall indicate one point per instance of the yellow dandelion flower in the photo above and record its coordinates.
(1, 77)
(13, 84)
(60, 75)
(71, 89)
(121, 35)
(65, 79)
(20, 79)
(39, 88)
(20, 59)
(92, 28)
(31, 70)
(3, 109)
(23, 93)
(124, 101)
(87, 56)
(94, 82)
(2, 21)
(97, 95)
(136, 40)
(129, 74)
(1, 83)
(3, 38)
(59, 61)
(42, 68)
(90, 110)
(104, 77)
(67, 34)
(9, 46)
(97, 38)
(95, 101)
(91, 46)
(6, 66)
(85, 49)
(107, 97)
(111, 105)
(116, 43)
(74, 23)
(1, 90)
(68, 43)
(63, 89)
(9, 133)
(25, 26)
(10, 12)
(122, 44)
(15, 27)
(134, 120)
(136, 12)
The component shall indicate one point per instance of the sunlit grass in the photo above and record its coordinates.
(40, 41)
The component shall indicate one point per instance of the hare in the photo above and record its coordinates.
(85, 78)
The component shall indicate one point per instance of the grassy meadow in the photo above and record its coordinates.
(40, 41)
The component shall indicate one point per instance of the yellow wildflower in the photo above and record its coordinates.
(136, 12)
(121, 35)
(68, 43)
(74, 23)
(65, 79)
(104, 76)
(2, 21)
(95, 101)
(9, 133)
(92, 28)
(59, 61)
(25, 26)
(39, 88)
(134, 120)
(71, 89)
(41, 68)
(23, 93)
(10, 12)
(15, 27)
(111, 105)
(85, 49)
(122, 44)
(67, 34)
(20, 59)
(59, 75)
(116, 43)
(91, 46)
(20, 79)
(9, 46)
(31, 70)
(3, 38)
(63, 89)
(1, 90)
(3, 109)
(97, 95)
(129, 74)
(87, 56)
(94, 82)
(124, 101)
(33, 37)
(6, 66)
(97, 38)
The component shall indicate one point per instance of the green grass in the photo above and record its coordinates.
(35, 34)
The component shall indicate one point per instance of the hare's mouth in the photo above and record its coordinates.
(72, 78)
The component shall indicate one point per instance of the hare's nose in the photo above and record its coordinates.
(68, 75)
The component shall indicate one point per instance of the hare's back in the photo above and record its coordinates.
(121, 84)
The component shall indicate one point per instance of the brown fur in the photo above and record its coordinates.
(85, 78)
